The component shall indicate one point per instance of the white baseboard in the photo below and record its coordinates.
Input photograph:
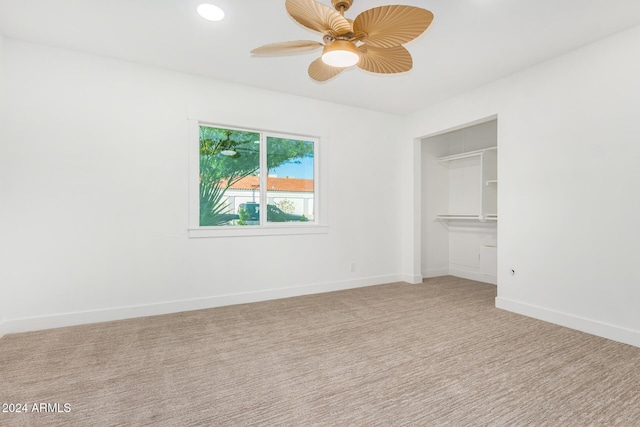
(471, 275)
(593, 327)
(435, 272)
(10, 326)
(465, 274)
(412, 279)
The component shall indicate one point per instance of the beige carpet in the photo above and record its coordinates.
(436, 354)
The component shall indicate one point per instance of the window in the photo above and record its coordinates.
(251, 181)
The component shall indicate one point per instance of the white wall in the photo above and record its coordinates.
(96, 195)
(434, 241)
(4, 292)
(568, 198)
(94, 191)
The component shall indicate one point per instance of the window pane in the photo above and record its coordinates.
(229, 181)
(290, 182)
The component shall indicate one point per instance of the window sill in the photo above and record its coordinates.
(257, 231)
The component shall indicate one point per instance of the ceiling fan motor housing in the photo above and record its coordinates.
(342, 5)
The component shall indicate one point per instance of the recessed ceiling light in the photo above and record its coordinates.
(210, 12)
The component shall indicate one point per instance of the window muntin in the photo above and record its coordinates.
(243, 174)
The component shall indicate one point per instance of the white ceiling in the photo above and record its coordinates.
(471, 42)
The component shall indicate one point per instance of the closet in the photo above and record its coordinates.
(460, 203)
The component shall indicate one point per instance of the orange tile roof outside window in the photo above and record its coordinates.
(293, 185)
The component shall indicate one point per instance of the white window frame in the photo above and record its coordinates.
(195, 230)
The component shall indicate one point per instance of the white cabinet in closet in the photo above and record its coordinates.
(473, 185)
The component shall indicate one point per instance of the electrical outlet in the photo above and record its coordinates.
(352, 267)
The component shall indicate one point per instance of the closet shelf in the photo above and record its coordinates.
(468, 154)
(480, 218)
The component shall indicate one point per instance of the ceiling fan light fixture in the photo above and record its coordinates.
(340, 54)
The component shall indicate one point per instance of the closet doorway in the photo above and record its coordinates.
(459, 211)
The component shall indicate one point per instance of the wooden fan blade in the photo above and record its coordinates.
(389, 26)
(319, 71)
(390, 60)
(297, 46)
(318, 17)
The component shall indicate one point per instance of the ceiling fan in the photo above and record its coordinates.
(373, 41)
